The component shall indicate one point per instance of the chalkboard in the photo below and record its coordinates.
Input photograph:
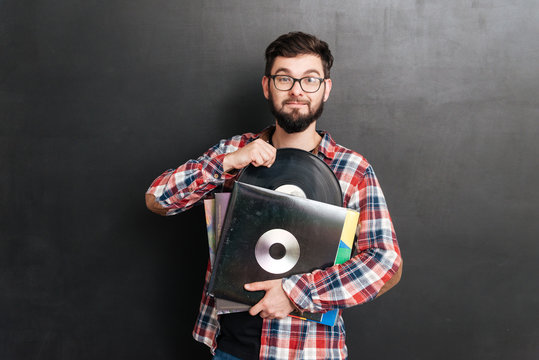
(97, 98)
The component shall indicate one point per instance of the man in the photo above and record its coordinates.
(296, 83)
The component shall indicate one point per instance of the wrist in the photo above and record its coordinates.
(227, 166)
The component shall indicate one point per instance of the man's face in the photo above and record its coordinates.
(296, 109)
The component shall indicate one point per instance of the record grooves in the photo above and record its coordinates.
(294, 172)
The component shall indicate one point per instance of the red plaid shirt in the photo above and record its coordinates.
(357, 281)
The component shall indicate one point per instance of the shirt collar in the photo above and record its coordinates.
(327, 145)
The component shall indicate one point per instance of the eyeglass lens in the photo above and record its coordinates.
(308, 84)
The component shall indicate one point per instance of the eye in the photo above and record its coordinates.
(311, 80)
(283, 79)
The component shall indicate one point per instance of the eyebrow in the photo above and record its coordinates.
(310, 71)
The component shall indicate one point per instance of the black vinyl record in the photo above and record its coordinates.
(296, 172)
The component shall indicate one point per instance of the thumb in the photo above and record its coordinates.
(256, 286)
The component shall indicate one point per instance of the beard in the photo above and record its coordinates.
(295, 121)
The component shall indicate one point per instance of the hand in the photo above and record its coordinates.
(275, 304)
(258, 153)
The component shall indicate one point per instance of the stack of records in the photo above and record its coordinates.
(277, 222)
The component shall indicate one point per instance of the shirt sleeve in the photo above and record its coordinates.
(359, 279)
(179, 189)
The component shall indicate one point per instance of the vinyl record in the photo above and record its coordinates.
(296, 172)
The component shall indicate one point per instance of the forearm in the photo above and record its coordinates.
(177, 190)
(355, 282)
(365, 275)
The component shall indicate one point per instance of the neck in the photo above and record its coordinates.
(306, 140)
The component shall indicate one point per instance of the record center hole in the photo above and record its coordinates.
(277, 251)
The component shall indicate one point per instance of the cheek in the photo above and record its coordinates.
(316, 102)
(278, 101)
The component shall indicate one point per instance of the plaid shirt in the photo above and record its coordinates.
(357, 281)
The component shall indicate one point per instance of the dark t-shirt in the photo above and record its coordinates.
(240, 335)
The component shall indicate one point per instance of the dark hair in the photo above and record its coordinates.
(298, 43)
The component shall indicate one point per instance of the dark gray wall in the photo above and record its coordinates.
(97, 98)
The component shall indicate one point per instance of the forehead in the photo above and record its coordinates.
(298, 65)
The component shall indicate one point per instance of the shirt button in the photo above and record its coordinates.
(216, 176)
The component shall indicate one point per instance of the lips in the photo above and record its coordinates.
(296, 102)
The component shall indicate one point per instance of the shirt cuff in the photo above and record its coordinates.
(299, 292)
(213, 170)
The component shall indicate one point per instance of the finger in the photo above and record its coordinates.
(261, 153)
(263, 143)
(269, 156)
(271, 161)
(256, 286)
(268, 161)
(255, 309)
(263, 146)
(257, 159)
(269, 151)
(258, 145)
(268, 147)
(264, 156)
(266, 315)
(280, 316)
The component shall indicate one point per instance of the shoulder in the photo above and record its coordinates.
(344, 159)
(351, 157)
(354, 173)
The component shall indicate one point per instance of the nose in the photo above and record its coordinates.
(296, 89)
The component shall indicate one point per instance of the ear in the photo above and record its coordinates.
(265, 88)
(327, 88)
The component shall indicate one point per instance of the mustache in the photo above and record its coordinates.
(293, 100)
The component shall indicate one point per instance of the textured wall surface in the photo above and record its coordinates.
(97, 98)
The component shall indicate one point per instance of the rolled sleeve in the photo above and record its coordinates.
(359, 279)
(177, 190)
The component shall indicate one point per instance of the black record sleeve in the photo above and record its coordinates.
(253, 211)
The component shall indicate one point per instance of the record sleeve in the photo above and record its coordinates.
(312, 230)
(215, 211)
(209, 211)
(226, 306)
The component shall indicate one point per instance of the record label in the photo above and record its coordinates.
(291, 190)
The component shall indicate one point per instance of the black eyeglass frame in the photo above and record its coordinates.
(299, 81)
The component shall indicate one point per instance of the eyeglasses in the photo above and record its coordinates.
(308, 84)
